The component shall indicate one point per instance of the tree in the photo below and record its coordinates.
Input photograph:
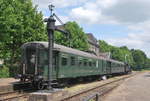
(104, 46)
(20, 22)
(118, 53)
(139, 58)
(147, 63)
(77, 38)
(127, 55)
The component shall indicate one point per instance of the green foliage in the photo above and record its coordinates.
(4, 72)
(77, 38)
(20, 22)
(139, 58)
(136, 58)
(104, 47)
(118, 53)
(122, 54)
(147, 63)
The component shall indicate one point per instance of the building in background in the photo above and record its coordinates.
(105, 54)
(93, 44)
(95, 48)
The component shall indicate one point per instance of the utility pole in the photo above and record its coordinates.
(126, 58)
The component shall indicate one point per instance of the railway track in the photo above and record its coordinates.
(13, 96)
(18, 95)
(95, 93)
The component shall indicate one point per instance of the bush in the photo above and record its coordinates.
(13, 70)
(4, 72)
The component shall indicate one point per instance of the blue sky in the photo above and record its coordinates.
(118, 22)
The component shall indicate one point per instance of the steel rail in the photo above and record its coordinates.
(8, 96)
(101, 86)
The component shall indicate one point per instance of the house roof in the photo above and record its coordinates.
(91, 39)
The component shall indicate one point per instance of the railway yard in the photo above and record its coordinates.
(43, 58)
(119, 88)
(133, 89)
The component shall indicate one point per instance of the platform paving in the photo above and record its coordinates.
(136, 88)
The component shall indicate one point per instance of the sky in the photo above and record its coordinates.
(118, 22)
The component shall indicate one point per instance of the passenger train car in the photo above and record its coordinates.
(68, 63)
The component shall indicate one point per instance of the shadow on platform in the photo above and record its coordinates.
(148, 75)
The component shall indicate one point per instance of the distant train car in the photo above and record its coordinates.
(68, 64)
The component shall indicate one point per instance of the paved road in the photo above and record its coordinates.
(136, 88)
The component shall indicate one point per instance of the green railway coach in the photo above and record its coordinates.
(68, 63)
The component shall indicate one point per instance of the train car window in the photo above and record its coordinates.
(90, 63)
(114, 65)
(64, 61)
(43, 57)
(80, 61)
(85, 62)
(94, 63)
(72, 60)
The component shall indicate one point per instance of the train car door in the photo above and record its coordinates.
(42, 68)
(55, 64)
(108, 67)
(30, 60)
(104, 67)
(63, 65)
(101, 67)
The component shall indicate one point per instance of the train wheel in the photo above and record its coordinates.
(40, 85)
(22, 79)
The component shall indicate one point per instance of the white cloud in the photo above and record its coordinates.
(131, 13)
(106, 3)
(133, 40)
(119, 11)
(103, 11)
(134, 14)
(43, 4)
(136, 40)
(64, 19)
(91, 12)
(85, 15)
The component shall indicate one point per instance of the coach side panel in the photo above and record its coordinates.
(72, 66)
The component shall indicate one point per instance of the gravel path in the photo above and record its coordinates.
(7, 81)
(136, 88)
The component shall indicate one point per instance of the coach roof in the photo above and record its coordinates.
(67, 50)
